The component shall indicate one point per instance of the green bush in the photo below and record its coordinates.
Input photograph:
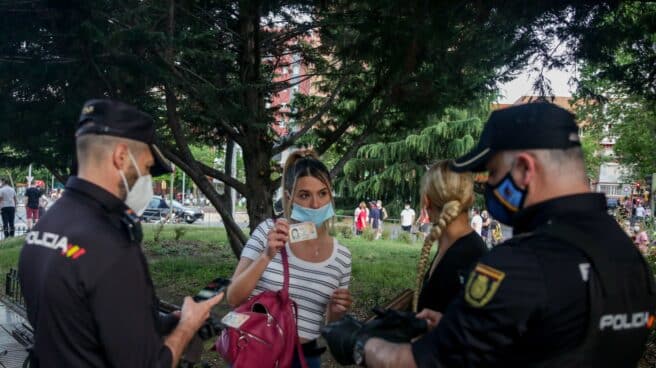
(406, 237)
(157, 233)
(386, 235)
(368, 234)
(179, 232)
(344, 230)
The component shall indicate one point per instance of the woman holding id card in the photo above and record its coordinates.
(319, 267)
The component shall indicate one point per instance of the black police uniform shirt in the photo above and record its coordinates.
(451, 272)
(86, 285)
(526, 302)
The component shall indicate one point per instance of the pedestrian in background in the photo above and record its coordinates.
(641, 239)
(33, 194)
(485, 226)
(7, 207)
(424, 223)
(477, 222)
(374, 217)
(361, 219)
(407, 218)
(383, 217)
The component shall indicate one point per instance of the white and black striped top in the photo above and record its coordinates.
(310, 284)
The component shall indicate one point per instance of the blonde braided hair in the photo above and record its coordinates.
(449, 194)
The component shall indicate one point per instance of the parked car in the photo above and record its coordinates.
(158, 209)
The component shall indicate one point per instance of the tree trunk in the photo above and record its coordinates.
(258, 174)
(257, 148)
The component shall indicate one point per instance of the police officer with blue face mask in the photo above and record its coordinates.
(568, 290)
(319, 267)
(87, 289)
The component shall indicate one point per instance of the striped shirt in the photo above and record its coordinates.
(310, 284)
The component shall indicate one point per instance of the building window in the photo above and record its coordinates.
(613, 190)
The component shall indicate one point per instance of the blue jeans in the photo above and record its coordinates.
(312, 362)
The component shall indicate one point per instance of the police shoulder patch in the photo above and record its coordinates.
(482, 285)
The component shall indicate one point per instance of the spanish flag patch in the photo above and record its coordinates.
(482, 285)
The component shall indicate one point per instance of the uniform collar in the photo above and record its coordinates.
(94, 192)
(531, 217)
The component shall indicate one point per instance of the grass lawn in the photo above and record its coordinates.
(381, 269)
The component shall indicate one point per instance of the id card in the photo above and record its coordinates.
(302, 231)
(234, 319)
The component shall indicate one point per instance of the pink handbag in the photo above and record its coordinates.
(268, 338)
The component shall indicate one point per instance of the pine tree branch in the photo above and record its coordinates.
(359, 110)
(350, 153)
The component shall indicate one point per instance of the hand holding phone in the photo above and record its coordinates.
(215, 287)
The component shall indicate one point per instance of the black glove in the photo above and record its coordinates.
(393, 326)
(390, 325)
(341, 337)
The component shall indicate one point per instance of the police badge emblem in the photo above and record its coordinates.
(482, 285)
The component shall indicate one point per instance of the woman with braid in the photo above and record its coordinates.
(447, 196)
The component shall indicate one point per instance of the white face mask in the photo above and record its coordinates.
(142, 191)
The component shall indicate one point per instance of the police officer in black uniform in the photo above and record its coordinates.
(569, 290)
(85, 280)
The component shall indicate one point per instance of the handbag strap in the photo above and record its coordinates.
(299, 348)
(285, 290)
(285, 270)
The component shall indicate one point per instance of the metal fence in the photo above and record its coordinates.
(12, 288)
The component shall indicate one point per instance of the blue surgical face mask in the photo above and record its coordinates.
(504, 199)
(318, 216)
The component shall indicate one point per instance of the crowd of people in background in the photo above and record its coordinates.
(34, 198)
(636, 219)
(372, 215)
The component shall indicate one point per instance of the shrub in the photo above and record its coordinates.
(158, 231)
(386, 235)
(179, 232)
(369, 234)
(344, 230)
(406, 237)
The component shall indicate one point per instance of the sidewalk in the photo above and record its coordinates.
(12, 353)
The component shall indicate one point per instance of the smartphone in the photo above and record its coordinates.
(212, 289)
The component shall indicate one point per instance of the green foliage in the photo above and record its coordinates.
(368, 234)
(618, 43)
(613, 113)
(636, 142)
(591, 153)
(393, 170)
(345, 231)
(180, 232)
(406, 237)
(157, 231)
(386, 235)
(205, 71)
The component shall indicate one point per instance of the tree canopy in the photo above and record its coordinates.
(208, 70)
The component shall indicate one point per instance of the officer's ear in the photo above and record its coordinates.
(525, 169)
(120, 156)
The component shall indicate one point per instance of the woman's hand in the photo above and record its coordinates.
(339, 303)
(432, 317)
(277, 238)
